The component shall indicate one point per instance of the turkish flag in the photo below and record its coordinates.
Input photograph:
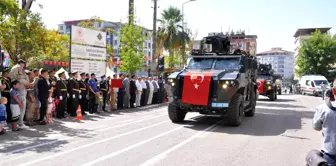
(116, 83)
(196, 88)
(261, 84)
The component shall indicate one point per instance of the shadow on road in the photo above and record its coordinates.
(36, 135)
(148, 108)
(265, 123)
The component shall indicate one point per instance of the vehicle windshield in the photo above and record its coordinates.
(227, 64)
(200, 63)
(214, 63)
(265, 77)
(319, 82)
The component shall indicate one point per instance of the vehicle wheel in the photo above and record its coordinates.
(272, 95)
(251, 112)
(236, 110)
(176, 114)
(279, 92)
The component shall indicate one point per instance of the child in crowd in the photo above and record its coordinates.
(15, 104)
(3, 114)
(51, 107)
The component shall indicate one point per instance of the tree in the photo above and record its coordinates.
(132, 47)
(20, 32)
(317, 55)
(171, 29)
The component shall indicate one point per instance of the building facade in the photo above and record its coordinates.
(282, 61)
(301, 35)
(244, 42)
(114, 38)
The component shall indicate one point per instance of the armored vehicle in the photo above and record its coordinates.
(216, 82)
(266, 82)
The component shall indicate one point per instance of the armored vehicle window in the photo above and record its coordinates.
(200, 63)
(227, 64)
(265, 77)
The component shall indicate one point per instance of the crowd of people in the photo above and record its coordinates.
(34, 97)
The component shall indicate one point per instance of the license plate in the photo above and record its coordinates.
(220, 105)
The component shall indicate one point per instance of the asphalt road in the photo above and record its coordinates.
(280, 134)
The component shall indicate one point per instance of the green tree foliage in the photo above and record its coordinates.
(20, 32)
(132, 47)
(171, 36)
(317, 55)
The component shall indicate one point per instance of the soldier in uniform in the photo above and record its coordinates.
(69, 99)
(73, 90)
(61, 94)
(103, 88)
(5, 80)
(83, 98)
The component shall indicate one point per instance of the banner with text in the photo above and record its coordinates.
(88, 51)
(87, 36)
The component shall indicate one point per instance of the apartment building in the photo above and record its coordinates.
(112, 39)
(244, 42)
(301, 35)
(282, 61)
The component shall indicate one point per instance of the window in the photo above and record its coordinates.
(149, 53)
(115, 42)
(308, 83)
(200, 63)
(61, 27)
(227, 64)
(149, 45)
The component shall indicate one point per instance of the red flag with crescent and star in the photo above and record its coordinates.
(196, 88)
(261, 84)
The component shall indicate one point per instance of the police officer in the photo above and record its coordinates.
(103, 88)
(325, 120)
(61, 95)
(73, 90)
(83, 98)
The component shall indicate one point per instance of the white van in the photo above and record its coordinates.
(311, 84)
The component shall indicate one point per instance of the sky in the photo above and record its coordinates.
(273, 21)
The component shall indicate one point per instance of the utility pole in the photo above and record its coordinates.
(130, 11)
(153, 66)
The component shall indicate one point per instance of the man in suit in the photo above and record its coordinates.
(126, 83)
(162, 90)
(43, 93)
(156, 91)
(61, 95)
(133, 90)
(103, 88)
(144, 91)
(151, 90)
(121, 93)
(147, 91)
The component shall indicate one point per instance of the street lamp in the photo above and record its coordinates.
(183, 46)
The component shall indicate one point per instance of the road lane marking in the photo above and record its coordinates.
(136, 145)
(91, 144)
(121, 125)
(164, 154)
(280, 108)
(56, 141)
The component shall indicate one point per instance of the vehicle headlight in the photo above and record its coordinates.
(172, 82)
(268, 82)
(226, 83)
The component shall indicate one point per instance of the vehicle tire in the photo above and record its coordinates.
(279, 92)
(176, 114)
(251, 112)
(235, 111)
(272, 95)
